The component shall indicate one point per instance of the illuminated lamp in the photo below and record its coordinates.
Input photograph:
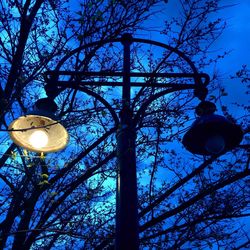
(39, 131)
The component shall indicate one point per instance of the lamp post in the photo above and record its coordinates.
(127, 233)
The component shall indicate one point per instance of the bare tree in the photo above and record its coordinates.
(67, 200)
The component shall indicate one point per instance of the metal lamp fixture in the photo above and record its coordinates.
(211, 134)
(39, 131)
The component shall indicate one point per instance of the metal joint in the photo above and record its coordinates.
(127, 38)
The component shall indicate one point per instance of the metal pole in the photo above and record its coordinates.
(127, 236)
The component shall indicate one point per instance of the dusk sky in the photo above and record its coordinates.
(66, 200)
(236, 39)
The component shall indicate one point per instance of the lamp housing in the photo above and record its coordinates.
(211, 134)
(39, 130)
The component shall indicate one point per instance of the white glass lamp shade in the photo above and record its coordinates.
(40, 133)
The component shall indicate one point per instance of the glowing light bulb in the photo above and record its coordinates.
(38, 139)
(215, 144)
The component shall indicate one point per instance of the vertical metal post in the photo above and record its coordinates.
(127, 236)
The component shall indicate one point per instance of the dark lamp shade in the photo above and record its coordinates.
(47, 134)
(212, 134)
(215, 144)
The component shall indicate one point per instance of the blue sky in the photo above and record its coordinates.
(236, 39)
(236, 36)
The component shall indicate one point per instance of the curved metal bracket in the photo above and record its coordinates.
(201, 80)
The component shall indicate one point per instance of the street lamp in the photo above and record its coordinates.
(39, 130)
(210, 133)
(201, 142)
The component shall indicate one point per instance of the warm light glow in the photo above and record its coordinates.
(215, 144)
(38, 139)
(52, 138)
